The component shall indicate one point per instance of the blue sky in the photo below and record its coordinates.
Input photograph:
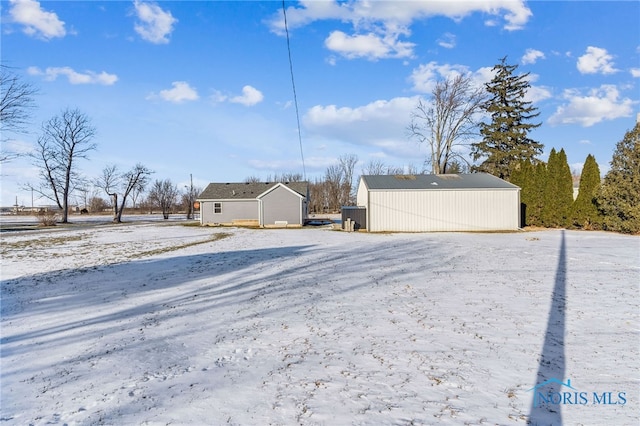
(203, 87)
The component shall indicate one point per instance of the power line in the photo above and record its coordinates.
(293, 84)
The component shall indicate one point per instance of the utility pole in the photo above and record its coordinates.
(190, 208)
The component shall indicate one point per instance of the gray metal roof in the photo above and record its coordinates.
(245, 191)
(434, 182)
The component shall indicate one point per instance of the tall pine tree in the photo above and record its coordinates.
(565, 189)
(522, 176)
(558, 193)
(585, 211)
(505, 140)
(619, 197)
(532, 180)
(538, 186)
(548, 214)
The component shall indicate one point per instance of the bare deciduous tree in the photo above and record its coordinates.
(284, 177)
(112, 181)
(16, 104)
(163, 194)
(252, 179)
(65, 139)
(135, 196)
(448, 120)
(97, 204)
(333, 179)
(109, 182)
(317, 196)
(348, 165)
(337, 187)
(189, 197)
(412, 169)
(378, 167)
(374, 167)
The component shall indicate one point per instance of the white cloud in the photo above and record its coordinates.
(17, 146)
(425, 76)
(448, 41)
(600, 104)
(371, 46)
(74, 77)
(531, 56)
(635, 72)
(381, 124)
(484, 74)
(311, 163)
(596, 60)
(275, 165)
(379, 25)
(155, 24)
(319, 116)
(180, 92)
(250, 96)
(310, 11)
(393, 14)
(37, 22)
(537, 94)
(218, 96)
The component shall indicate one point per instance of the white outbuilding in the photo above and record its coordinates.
(429, 203)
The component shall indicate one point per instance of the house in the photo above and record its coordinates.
(451, 202)
(264, 204)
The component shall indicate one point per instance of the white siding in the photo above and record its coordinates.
(442, 210)
(362, 195)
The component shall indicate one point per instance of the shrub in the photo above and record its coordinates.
(47, 218)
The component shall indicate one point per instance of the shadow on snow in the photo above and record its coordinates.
(132, 293)
(552, 359)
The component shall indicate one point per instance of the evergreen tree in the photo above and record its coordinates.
(521, 177)
(532, 181)
(619, 196)
(558, 192)
(565, 190)
(585, 210)
(505, 140)
(538, 186)
(548, 213)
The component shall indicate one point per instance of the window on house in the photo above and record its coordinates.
(217, 207)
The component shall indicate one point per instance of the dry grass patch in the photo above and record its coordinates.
(161, 250)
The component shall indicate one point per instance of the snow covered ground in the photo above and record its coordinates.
(153, 323)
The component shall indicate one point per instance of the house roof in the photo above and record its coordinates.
(434, 182)
(247, 190)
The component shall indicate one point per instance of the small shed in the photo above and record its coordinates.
(357, 214)
(264, 204)
(428, 203)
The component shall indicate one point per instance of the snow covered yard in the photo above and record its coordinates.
(166, 324)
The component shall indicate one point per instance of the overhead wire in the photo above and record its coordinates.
(293, 84)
